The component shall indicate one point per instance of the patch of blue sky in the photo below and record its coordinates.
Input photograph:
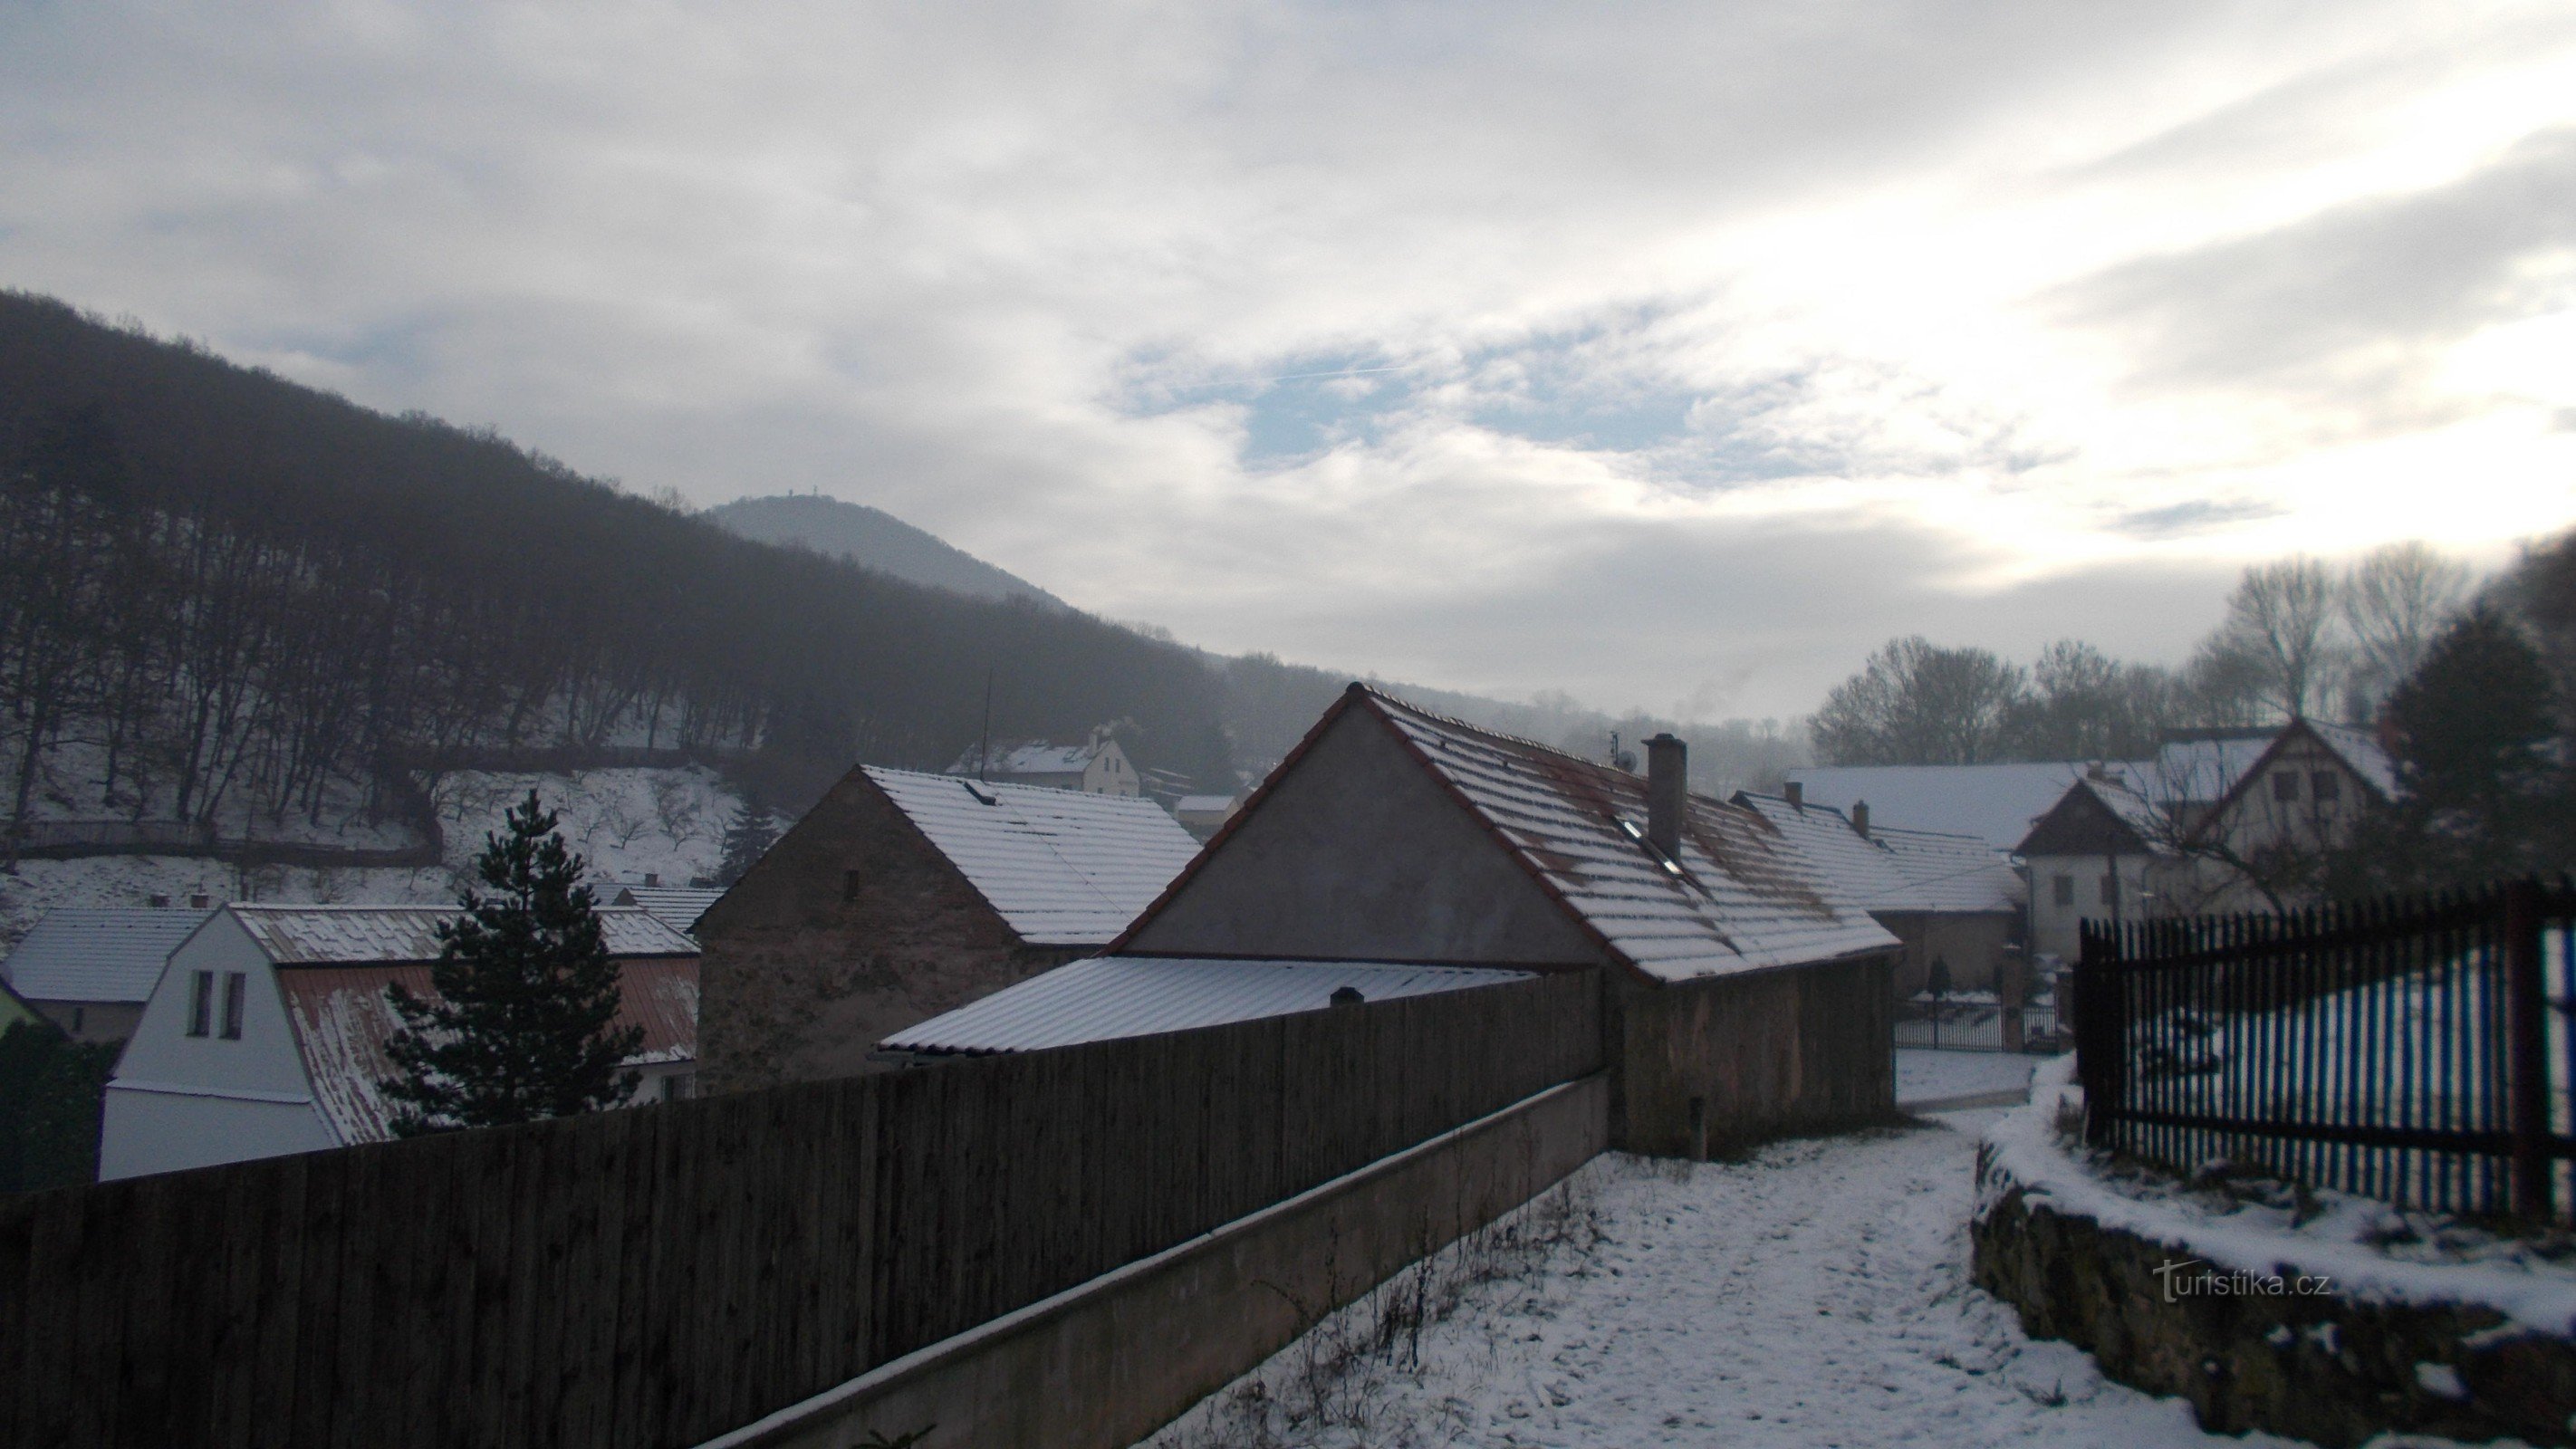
(1303, 408)
(399, 348)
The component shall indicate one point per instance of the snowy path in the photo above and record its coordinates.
(1816, 1295)
(1923, 1075)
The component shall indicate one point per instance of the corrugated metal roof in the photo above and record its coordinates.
(1893, 869)
(677, 907)
(98, 955)
(1742, 898)
(350, 935)
(1106, 997)
(343, 1017)
(1996, 803)
(1063, 868)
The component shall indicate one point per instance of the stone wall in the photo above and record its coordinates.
(852, 927)
(2318, 1366)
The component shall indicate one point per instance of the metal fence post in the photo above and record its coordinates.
(2527, 1049)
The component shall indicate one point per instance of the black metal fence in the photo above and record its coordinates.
(2416, 1050)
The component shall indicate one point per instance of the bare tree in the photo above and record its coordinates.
(2395, 602)
(1915, 703)
(2280, 625)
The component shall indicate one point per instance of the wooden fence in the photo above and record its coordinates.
(2416, 1051)
(660, 1275)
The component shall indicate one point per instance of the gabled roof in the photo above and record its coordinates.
(1105, 997)
(342, 1017)
(1739, 899)
(1063, 868)
(1995, 803)
(2204, 765)
(98, 955)
(2099, 816)
(2357, 750)
(387, 935)
(675, 906)
(1893, 870)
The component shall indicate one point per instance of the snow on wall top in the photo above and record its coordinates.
(1893, 869)
(1062, 867)
(1739, 899)
(375, 935)
(1995, 803)
(342, 1018)
(97, 955)
(1106, 997)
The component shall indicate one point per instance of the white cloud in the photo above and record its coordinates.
(1802, 325)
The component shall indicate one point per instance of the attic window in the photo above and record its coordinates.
(201, 1002)
(2325, 786)
(235, 984)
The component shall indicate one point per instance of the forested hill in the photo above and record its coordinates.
(220, 590)
(872, 538)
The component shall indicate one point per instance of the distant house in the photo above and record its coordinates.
(266, 1034)
(1995, 803)
(90, 970)
(1201, 815)
(902, 895)
(675, 906)
(1098, 767)
(1953, 900)
(1402, 851)
(2207, 826)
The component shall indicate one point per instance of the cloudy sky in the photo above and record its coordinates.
(1674, 355)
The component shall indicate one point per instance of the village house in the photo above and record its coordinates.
(1953, 900)
(267, 1033)
(1097, 767)
(89, 971)
(1995, 803)
(1400, 851)
(902, 895)
(677, 907)
(1203, 815)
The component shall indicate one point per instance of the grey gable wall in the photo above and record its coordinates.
(1357, 854)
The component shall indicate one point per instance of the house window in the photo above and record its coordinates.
(2325, 787)
(201, 1002)
(236, 985)
(849, 886)
(2065, 887)
(2285, 784)
(2110, 890)
(79, 1014)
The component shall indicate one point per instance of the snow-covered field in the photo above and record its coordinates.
(1814, 1295)
(630, 822)
(1930, 1076)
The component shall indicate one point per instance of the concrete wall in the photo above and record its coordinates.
(1358, 854)
(850, 928)
(1803, 1049)
(1108, 1362)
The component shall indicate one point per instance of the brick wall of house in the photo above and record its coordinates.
(850, 928)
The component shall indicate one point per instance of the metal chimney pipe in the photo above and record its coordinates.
(1667, 777)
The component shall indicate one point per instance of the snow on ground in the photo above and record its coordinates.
(1815, 1294)
(1923, 1075)
(628, 822)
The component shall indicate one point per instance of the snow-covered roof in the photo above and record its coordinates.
(1995, 803)
(383, 935)
(675, 906)
(1062, 867)
(1105, 997)
(342, 1018)
(98, 954)
(1893, 869)
(2198, 771)
(1034, 758)
(1739, 899)
(1202, 804)
(2362, 751)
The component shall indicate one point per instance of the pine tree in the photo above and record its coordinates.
(521, 1027)
(748, 838)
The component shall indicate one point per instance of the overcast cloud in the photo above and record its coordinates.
(1675, 355)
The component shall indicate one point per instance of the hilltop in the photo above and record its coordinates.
(873, 539)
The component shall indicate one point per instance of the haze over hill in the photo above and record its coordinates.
(873, 539)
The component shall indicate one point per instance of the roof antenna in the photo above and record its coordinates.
(984, 750)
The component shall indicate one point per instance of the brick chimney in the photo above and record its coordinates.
(1797, 794)
(1667, 778)
(1860, 818)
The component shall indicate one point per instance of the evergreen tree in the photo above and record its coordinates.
(527, 992)
(2480, 795)
(747, 838)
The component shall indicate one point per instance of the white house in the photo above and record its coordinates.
(90, 970)
(266, 1034)
(1098, 767)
